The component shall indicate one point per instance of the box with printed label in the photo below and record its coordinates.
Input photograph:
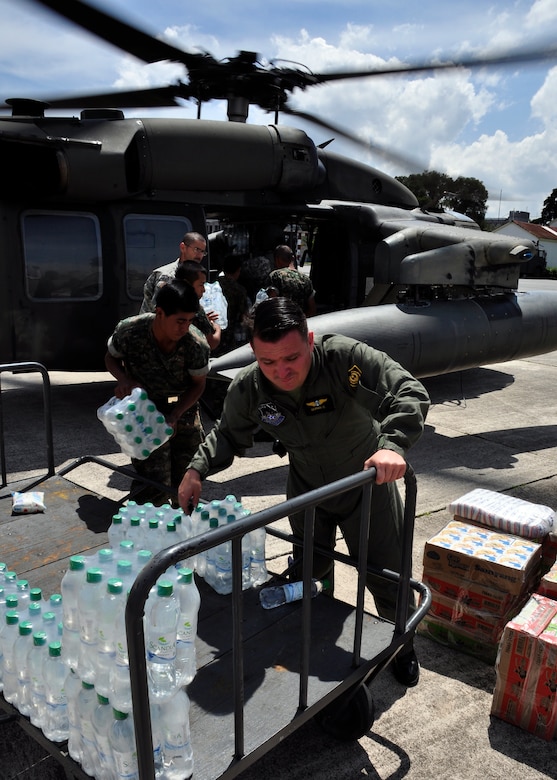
(483, 626)
(473, 594)
(446, 633)
(548, 583)
(486, 557)
(525, 687)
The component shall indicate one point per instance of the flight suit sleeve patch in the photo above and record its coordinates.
(354, 376)
(270, 414)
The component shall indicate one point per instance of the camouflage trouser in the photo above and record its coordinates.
(168, 463)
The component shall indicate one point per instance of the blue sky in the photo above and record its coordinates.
(497, 124)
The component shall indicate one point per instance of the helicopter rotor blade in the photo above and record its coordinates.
(124, 36)
(386, 154)
(153, 97)
(531, 55)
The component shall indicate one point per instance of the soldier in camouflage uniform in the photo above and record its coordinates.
(169, 360)
(192, 251)
(290, 282)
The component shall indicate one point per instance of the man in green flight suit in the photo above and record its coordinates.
(337, 406)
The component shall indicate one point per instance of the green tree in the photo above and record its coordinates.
(549, 211)
(435, 190)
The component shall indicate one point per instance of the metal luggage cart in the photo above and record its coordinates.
(264, 673)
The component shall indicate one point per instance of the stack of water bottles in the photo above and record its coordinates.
(136, 423)
(215, 565)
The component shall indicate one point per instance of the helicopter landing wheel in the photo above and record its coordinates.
(350, 716)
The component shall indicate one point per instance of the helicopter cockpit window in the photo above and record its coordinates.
(151, 241)
(62, 256)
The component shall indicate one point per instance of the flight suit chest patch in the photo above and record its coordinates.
(319, 405)
(270, 414)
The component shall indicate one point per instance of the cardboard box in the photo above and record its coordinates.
(447, 634)
(525, 693)
(482, 626)
(469, 552)
(473, 594)
(548, 583)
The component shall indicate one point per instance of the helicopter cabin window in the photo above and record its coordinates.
(151, 241)
(62, 256)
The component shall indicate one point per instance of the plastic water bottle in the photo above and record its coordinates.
(222, 557)
(22, 593)
(106, 562)
(116, 531)
(35, 661)
(189, 600)
(10, 580)
(258, 566)
(177, 751)
(22, 646)
(110, 606)
(34, 615)
(125, 573)
(56, 727)
(161, 617)
(72, 687)
(86, 704)
(54, 604)
(121, 737)
(105, 768)
(9, 636)
(89, 600)
(210, 575)
(120, 686)
(70, 586)
(49, 625)
(277, 595)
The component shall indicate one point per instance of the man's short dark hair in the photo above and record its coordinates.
(177, 296)
(190, 271)
(273, 318)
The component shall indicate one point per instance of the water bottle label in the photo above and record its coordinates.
(126, 764)
(186, 632)
(294, 591)
(121, 654)
(162, 648)
(176, 743)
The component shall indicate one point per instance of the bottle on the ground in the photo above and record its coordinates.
(277, 595)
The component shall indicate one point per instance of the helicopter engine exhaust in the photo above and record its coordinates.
(438, 337)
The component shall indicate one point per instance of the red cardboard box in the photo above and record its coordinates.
(523, 692)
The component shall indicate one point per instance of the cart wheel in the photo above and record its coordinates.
(350, 716)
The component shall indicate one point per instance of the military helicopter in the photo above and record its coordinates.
(90, 204)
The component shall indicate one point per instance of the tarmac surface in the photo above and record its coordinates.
(492, 427)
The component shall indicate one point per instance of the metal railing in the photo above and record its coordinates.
(146, 579)
(22, 368)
